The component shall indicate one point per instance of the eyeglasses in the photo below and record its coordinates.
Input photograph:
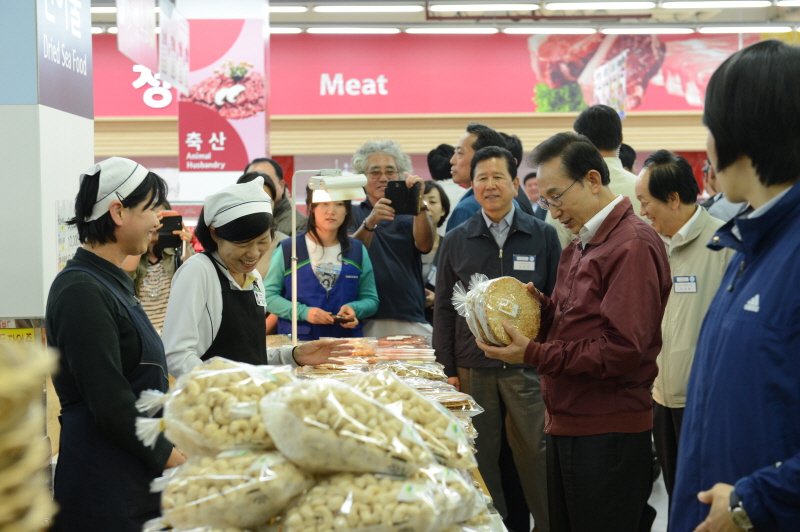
(554, 201)
(376, 174)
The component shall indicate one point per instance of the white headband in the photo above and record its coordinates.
(236, 201)
(118, 178)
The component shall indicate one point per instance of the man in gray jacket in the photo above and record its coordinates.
(282, 209)
(667, 191)
(499, 240)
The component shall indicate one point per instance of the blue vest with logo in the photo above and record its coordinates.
(311, 293)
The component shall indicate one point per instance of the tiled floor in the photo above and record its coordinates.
(659, 501)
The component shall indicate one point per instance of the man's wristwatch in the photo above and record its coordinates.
(738, 513)
(364, 224)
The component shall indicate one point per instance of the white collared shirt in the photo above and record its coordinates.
(683, 233)
(500, 229)
(589, 229)
(194, 314)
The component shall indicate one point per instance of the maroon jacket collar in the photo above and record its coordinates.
(620, 211)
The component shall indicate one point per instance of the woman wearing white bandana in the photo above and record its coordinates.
(109, 354)
(216, 306)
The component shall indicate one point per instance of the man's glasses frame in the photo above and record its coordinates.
(554, 201)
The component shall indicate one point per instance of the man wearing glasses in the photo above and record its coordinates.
(718, 205)
(600, 335)
(395, 242)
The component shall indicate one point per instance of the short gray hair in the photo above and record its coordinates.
(373, 147)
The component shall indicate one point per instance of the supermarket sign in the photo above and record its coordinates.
(432, 74)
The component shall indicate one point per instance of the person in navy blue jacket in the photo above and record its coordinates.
(739, 454)
(334, 277)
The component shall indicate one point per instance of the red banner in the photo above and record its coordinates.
(431, 74)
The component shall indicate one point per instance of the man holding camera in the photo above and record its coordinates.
(395, 241)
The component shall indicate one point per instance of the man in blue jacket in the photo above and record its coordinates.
(740, 442)
(498, 240)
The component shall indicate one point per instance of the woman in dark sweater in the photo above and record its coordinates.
(110, 353)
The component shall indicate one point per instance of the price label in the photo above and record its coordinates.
(16, 335)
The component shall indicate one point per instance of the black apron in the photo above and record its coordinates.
(242, 334)
(98, 485)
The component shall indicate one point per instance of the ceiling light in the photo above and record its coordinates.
(101, 9)
(453, 31)
(97, 29)
(284, 29)
(744, 29)
(112, 29)
(352, 31)
(646, 30)
(598, 6)
(368, 9)
(484, 7)
(158, 29)
(287, 9)
(715, 4)
(789, 3)
(549, 30)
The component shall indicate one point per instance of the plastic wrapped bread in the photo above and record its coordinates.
(427, 370)
(490, 302)
(441, 431)
(365, 503)
(214, 408)
(326, 426)
(239, 489)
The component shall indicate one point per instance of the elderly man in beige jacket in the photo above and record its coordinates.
(667, 191)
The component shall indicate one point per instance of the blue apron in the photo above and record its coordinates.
(313, 294)
(98, 485)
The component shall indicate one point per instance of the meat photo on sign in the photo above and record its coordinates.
(234, 91)
(565, 65)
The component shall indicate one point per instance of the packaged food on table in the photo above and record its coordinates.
(22, 371)
(349, 367)
(406, 354)
(425, 385)
(213, 408)
(490, 302)
(457, 402)
(160, 525)
(427, 370)
(440, 430)
(326, 426)
(458, 499)
(365, 503)
(467, 425)
(362, 347)
(404, 340)
(278, 340)
(234, 489)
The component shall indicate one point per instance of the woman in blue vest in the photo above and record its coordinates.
(335, 281)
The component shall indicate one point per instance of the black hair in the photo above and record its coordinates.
(751, 108)
(578, 156)
(670, 173)
(602, 125)
(275, 165)
(238, 231)
(514, 145)
(251, 176)
(485, 136)
(445, 201)
(628, 156)
(341, 233)
(439, 161)
(491, 152)
(101, 230)
(529, 175)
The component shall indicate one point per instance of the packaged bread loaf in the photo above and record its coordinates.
(426, 370)
(440, 430)
(326, 426)
(490, 302)
(365, 503)
(214, 408)
(234, 489)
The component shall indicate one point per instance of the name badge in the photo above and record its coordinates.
(685, 284)
(431, 280)
(261, 301)
(525, 262)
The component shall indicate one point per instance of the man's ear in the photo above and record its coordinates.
(515, 184)
(594, 181)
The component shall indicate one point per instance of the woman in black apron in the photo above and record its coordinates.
(216, 304)
(109, 354)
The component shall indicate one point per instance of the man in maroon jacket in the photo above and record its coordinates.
(600, 334)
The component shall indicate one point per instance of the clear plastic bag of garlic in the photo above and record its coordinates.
(441, 431)
(239, 489)
(327, 427)
(457, 498)
(214, 408)
(159, 525)
(365, 503)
